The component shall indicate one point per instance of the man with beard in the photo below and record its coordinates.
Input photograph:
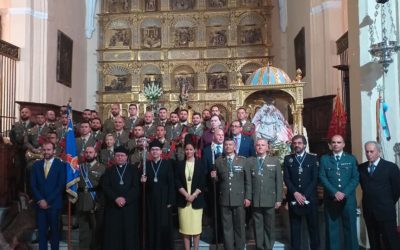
(51, 119)
(108, 125)
(138, 132)
(183, 118)
(174, 129)
(90, 207)
(62, 129)
(160, 197)
(197, 127)
(36, 134)
(206, 116)
(244, 145)
(207, 137)
(95, 125)
(121, 191)
(301, 178)
(47, 185)
(17, 137)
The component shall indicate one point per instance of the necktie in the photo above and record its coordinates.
(230, 164)
(236, 144)
(371, 168)
(39, 130)
(83, 144)
(219, 151)
(46, 168)
(299, 157)
(337, 157)
(260, 161)
(118, 137)
(24, 124)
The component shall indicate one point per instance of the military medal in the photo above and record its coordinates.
(300, 163)
(156, 171)
(300, 170)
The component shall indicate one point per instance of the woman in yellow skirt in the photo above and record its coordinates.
(190, 182)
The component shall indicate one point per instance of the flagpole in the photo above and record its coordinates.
(69, 227)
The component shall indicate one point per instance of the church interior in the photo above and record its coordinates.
(303, 56)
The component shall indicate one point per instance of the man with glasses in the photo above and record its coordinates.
(244, 145)
(339, 176)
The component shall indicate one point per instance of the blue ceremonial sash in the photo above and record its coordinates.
(88, 182)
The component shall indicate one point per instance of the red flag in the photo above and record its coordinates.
(337, 126)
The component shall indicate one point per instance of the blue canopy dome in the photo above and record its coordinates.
(268, 76)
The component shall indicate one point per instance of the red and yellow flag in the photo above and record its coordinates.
(337, 126)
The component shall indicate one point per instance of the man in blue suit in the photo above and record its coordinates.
(244, 145)
(48, 184)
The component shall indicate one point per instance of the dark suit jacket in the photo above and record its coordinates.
(381, 190)
(207, 158)
(51, 188)
(246, 148)
(198, 182)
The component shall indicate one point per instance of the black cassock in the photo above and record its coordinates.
(121, 223)
(160, 192)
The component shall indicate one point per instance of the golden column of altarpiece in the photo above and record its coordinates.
(207, 49)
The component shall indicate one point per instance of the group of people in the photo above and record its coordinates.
(135, 172)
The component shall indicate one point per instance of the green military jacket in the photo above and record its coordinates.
(267, 182)
(235, 184)
(94, 172)
(339, 176)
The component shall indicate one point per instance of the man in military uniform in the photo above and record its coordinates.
(106, 155)
(85, 140)
(95, 125)
(162, 118)
(248, 127)
(197, 127)
(133, 118)
(267, 188)
(108, 125)
(149, 125)
(301, 178)
(174, 128)
(90, 209)
(183, 118)
(17, 136)
(234, 181)
(62, 128)
(339, 175)
(121, 136)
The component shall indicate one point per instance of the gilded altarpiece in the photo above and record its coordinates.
(205, 48)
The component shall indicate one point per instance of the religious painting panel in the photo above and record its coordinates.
(217, 81)
(182, 4)
(151, 37)
(216, 4)
(184, 37)
(64, 59)
(118, 83)
(119, 5)
(156, 79)
(249, 35)
(119, 38)
(300, 51)
(151, 5)
(217, 36)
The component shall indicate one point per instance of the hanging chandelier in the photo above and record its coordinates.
(383, 43)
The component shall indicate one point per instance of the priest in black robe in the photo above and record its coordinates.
(121, 190)
(158, 177)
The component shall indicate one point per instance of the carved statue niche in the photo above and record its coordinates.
(216, 4)
(119, 5)
(119, 38)
(151, 37)
(217, 37)
(150, 5)
(184, 36)
(182, 4)
(157, 79)
(248, 69)
(249, 35)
